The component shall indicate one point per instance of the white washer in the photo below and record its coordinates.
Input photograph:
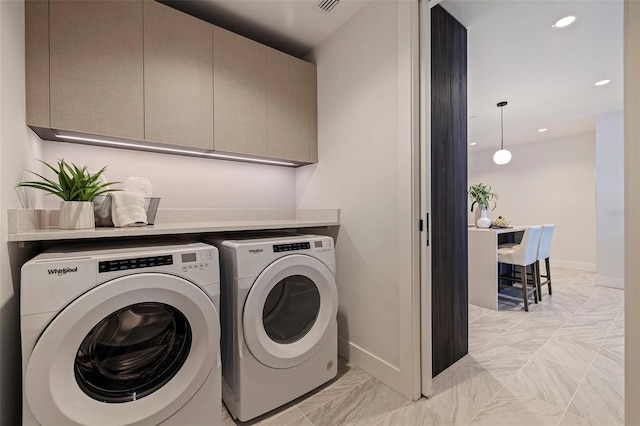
(279, 328)
(121, 336)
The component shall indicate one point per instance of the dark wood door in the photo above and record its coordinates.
(450, 330)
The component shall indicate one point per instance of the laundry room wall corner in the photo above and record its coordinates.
(18, 148)
(366, 168)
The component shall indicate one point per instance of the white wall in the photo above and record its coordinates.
(610, 199)
(551, 181)
(364, 168)
(182, 182)
(186, 182)
(17, 149)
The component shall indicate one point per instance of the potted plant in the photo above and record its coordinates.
(77, 187)
(481, 194)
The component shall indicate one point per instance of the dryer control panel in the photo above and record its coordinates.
(277, 248)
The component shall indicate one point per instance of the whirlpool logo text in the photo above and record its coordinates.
(255, 251)
(62, 271)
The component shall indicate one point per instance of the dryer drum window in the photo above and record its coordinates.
(291, 309)
(133, 352)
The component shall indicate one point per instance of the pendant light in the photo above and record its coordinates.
(502, 156)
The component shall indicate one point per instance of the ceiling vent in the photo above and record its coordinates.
(326, 6)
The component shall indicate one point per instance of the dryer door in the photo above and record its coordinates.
(290, 310)
(130, 351)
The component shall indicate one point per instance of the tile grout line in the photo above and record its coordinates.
(527, 314)
(588, 369)
(528, 361)
(303, 417)
(468, 355)
(481, 316)
(337, 396)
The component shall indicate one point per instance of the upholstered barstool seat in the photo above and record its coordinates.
(523, 254)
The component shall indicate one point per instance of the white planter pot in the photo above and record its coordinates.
(76, 215)
(483, 221)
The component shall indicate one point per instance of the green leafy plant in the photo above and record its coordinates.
(481, 194)
(73, 183)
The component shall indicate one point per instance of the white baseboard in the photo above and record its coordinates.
(568, 264)
(376, 367)
(609, 281)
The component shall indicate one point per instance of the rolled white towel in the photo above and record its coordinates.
(127, 209)
(139, 185)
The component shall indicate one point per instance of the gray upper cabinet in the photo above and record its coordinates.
(141, 70)
(37, 62)
(264, 100)
(178, 77)
(96, 64)
(240, 94)
(290, 99)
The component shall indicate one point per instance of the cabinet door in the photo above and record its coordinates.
(240, 94)
(96, 67)
(288, 106)
(37, 62)
(313, 113)
(178, 77)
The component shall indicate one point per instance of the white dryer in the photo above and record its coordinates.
(279, 328)
(121, 336)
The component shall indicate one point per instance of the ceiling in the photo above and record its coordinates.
(293, 26)
(546, 75)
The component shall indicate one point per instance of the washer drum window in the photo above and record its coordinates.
(290, 311)
(132, 352)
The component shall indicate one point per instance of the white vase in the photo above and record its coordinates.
(76, 215)
(483, 221)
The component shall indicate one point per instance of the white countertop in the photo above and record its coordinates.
(32, 225)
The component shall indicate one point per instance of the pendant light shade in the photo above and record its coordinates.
(502, 156)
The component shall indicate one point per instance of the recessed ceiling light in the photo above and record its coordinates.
(473, 143)
(602, 82)
(564, 22)
(542, 130)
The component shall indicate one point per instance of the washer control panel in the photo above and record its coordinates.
(277, 248)
(196, 260)
(134, 263)
(323, 246)
(192, 263)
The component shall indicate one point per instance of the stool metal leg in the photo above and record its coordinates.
(523, 274)
(537, 274)
(546, 264)
(536, 283)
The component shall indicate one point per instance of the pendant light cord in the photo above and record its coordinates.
(501, 129)
(502, 156)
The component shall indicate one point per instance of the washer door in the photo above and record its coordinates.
(290, 310)
(130, 351)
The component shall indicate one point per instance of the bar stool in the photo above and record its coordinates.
(544, 251)
(523, 255)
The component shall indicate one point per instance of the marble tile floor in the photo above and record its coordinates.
(561, 363)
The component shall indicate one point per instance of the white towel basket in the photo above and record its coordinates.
(102, 209)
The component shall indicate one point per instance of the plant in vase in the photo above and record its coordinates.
(77, 188)
(481, 194)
